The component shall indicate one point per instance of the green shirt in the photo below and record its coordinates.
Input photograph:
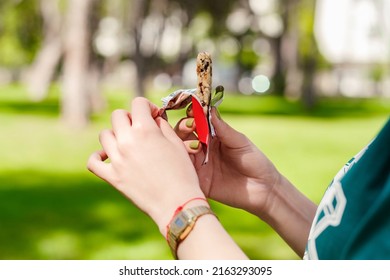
(353, 218)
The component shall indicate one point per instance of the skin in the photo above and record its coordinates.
(146, 154)
(139, 146)
(240, 175)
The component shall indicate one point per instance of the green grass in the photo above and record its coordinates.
(51, 207)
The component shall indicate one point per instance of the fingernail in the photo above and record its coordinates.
(189, 123)
(194, 145)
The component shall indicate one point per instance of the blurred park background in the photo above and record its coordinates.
(308, 81)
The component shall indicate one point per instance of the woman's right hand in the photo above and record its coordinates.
(240, 175)
(237, 173)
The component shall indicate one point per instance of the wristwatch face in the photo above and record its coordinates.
(179, 224)
(182, 225)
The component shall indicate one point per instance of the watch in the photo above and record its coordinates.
(182, 224)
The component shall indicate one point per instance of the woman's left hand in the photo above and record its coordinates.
(148, 162)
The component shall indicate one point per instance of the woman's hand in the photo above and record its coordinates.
(148, 163)
(238, 173)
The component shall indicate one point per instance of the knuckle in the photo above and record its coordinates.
(123, 144)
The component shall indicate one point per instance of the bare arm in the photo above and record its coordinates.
(151, 167)
(290, 214)
(240, 175)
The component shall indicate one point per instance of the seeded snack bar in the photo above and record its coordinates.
(200, 99)
(204, 74)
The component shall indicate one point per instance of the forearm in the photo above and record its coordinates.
(209, 240)
(290, 214)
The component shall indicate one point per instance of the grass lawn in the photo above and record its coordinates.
(51, 207)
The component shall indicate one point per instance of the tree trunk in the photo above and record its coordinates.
(308, 52)
(308, 89)
(43, 69)
(282, 53)
(137, 12)
(279, 75)
(75, 105)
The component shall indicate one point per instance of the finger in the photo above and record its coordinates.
(193, 146)
(121, 121)
(144, 113)
(164, 115)
(185, 127)
(97, 165)
(108, 142)
(189, 111)
(225, 133)
(167, 130)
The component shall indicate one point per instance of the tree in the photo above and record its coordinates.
(67, 40)
(307, 52)
(18, 40)
(47, 59)
(296, 52)
(148, 17)
(137, 13)
(77, 48)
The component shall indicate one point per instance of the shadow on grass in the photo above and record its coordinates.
(76, 216)
(46, 216)
(45, 108)
(14, 99)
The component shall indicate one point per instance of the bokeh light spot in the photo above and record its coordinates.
(261, 83)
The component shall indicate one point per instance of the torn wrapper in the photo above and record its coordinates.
(202, 115)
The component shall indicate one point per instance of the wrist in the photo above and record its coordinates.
(168, 214)
(289, 213)
(262, 195)
(182, 224)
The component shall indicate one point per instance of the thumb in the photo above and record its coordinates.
(225, 133)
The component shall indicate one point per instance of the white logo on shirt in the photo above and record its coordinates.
(329, 213)
(331, 209)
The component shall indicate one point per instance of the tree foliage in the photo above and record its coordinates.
(156, 35)
(20, 32)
